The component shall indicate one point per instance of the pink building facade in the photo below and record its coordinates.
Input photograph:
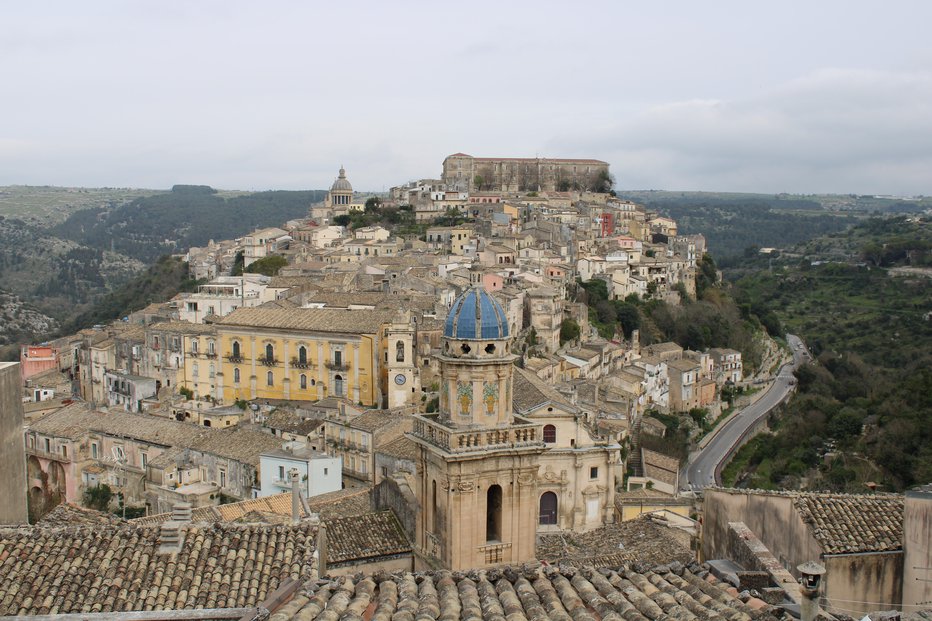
(35, 359)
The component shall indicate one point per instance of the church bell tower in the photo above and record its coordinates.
(404, 382)
(477, 462)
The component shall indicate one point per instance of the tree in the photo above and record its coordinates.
(98, 497)
(373, 204)
(342, 220)
(268, 266)
(596, 290)
(478, 181)
(606, 312)
(238, 261)
(628, 316)
(569, 331)
(707, 275)
(603, 182)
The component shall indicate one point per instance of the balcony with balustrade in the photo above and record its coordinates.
(522, 434)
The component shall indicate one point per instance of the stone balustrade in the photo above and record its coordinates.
(456, 440)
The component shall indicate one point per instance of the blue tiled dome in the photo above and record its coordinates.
(476, 315)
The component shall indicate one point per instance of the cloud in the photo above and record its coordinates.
(830, 131)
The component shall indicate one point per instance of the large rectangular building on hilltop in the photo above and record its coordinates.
(516, 174)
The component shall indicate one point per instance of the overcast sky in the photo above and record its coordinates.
(812, 96)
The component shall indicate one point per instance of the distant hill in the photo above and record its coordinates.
(862, 301)
(63, 249)
(732, 223)
(149, 227)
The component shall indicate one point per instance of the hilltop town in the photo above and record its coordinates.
(416, 402)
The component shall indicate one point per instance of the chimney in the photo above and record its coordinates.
(322, 550)
(170, 537)
(181, 513)
(295, 497)
(810, 580)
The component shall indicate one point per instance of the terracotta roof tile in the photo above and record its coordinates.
(400, 448)
(116, 569)
(659, 466)
(363, 537)
(845, 523)
(73, 515)
(528, 593)
(315, 319)
(530, 392)
(639, 540)
(77, 419)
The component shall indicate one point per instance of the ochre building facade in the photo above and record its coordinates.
(312, 353)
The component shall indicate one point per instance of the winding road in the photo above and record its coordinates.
(703, 469)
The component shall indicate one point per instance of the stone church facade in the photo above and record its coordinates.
(488, 480)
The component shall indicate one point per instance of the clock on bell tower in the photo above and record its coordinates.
(403, 379)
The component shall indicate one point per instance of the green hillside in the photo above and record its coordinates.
(149, 227)
(864, 410)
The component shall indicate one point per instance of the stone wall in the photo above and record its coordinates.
(917, 541)
(856, 584)
(12, 449)
(395, 493)
(771, 517)
(744, 548)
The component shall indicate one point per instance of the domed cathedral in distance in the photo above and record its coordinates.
(477, 462)
(337, 202)
(341, 192)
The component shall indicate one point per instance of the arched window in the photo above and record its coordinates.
(210, 347)
(338, 385)
(400, 351)
(236, 376)
(550, 434)
(211, 370)
(269, 352)
(303, 381)
(269, 379)
(493, 514)
(302, 355)
(548, 508)
(235, 349)
(313, 382)
(194, 369)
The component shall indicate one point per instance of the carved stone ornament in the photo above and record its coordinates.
(526, 478)
(466, 484)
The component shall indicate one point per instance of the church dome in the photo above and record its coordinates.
(476, 315)
(342, 184)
